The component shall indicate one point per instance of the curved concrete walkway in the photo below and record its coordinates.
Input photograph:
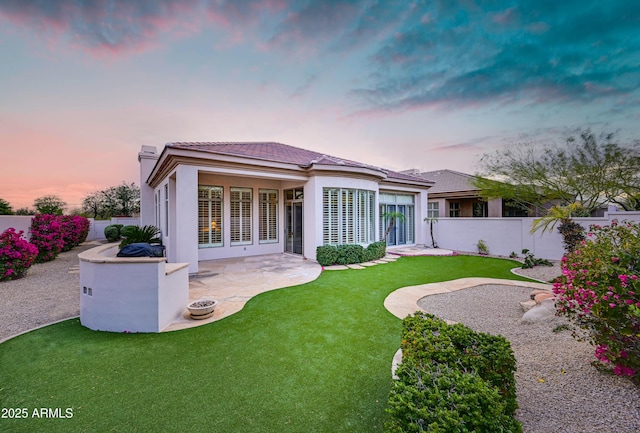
(233, 282)
(404, 301)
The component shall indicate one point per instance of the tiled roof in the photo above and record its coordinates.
(283, 153)
(449, 181)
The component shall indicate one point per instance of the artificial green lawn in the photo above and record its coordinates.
(309, 358)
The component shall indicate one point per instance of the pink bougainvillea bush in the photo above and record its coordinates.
(46, 235)
(74, 230)
(16, 255)
(600, 293)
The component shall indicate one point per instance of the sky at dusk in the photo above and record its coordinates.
(398, 84)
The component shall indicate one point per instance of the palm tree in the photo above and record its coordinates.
(432, 221)
(391, 216)
(572, 232)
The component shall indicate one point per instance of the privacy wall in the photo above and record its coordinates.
(505, 235)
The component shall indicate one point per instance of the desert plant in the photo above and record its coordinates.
(572, 232)
(16, 254)
(136, 234)
(530, 261)
(482, 247)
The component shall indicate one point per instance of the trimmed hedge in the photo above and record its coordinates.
(452, 379)
(348, 254)
(112, 232)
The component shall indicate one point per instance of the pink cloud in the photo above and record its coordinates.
(105, 28)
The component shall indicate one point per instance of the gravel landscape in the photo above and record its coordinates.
(558, 389)
(49, 293)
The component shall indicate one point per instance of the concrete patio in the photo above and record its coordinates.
(233, 282)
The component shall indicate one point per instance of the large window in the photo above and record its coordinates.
(400, 207)
(209, 216)
(268, 216)
(241, 201)
(433, 210)
(348, 216)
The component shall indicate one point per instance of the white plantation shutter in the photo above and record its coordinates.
(240, 209)
(209, 216)
(268, 215)
(348, 216)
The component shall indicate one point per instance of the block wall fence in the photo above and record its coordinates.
(96, 229)
(501, 235)
(505, 235)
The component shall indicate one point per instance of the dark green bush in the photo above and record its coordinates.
(443, 398)
(127, 230)
(350, 254)
(376, 250)
(112, 232)
(479, 366)
(327, 255)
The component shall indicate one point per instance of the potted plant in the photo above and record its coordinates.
(202, 309)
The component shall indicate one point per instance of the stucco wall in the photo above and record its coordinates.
(96, 228)
(504, 235)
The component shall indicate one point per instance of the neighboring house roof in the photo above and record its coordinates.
(448, 182)
(284, 154)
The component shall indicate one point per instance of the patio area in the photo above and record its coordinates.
(232, 282)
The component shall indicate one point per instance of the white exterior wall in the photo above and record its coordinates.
(17, 222)
(130, 294)
(506, 235)
(255, 248)
(147, 157)
(313, 218)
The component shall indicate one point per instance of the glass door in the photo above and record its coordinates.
(293, 221)
(294, 228)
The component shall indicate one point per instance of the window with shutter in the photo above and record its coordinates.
(209, 216)
(240, 210)
(268, 216)
(348, 216)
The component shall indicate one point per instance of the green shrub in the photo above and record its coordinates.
(112, 232)
(136, 234)
(348, 254)
(376, 250)
(445, 399)
(452, 379)
(127, 230)
(327, 255)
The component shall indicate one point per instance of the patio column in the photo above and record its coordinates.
(186, 216)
